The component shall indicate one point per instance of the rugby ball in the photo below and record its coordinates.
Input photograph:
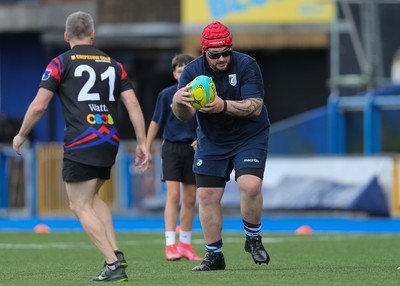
(202, 91)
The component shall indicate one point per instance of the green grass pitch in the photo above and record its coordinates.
(317, 259)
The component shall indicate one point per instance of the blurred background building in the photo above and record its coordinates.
(306, 49)
(320, 59)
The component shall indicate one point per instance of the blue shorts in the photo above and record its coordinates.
(246, 159)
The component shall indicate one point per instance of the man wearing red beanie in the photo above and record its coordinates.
(232, 134)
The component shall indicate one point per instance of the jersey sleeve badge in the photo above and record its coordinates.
(46, 75)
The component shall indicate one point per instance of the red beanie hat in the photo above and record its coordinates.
(215, 35)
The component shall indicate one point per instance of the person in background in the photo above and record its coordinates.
(232, 134)
(395, 68)
(177, 153)
(89, 84)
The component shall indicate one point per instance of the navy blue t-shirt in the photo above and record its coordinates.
(174, 130)
(221, 135)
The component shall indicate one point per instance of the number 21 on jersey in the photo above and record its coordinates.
(84, 94)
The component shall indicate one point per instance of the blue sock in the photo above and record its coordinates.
(250, 229)
(215, 247)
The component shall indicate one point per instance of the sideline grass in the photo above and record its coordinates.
(332, 259)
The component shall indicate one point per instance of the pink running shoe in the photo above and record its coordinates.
(186, 251)
(172, 253)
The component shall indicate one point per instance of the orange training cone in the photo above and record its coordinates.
(41, 228)
(304, 230)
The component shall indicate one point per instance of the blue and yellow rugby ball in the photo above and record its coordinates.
(203, 91)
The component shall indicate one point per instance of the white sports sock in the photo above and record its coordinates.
(185, 236)
(170, 237)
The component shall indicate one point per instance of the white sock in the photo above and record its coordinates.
(185, 236)
(170, 237)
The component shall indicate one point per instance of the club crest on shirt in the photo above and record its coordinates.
(232, 79)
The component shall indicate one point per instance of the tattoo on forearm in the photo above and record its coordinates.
(247, 107)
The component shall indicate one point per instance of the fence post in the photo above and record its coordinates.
(3, 182)
(332, 103)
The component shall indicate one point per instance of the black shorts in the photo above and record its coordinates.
(177, 162)
(76, 172)
(219, 182)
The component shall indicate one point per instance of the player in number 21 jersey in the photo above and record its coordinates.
(89, 84)
(89, 102)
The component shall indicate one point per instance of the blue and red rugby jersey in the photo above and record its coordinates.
(220, 135)
(89, 84)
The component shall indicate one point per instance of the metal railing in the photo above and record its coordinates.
(32, 185)
(372, 106)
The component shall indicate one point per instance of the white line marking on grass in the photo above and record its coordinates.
(161, 241)
(57, 245)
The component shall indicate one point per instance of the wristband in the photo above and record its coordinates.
(225, 107)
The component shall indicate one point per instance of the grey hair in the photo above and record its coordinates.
(79, 25)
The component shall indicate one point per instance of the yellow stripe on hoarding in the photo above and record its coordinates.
(258, 11)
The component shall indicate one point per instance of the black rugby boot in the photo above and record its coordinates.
(212, 261)
(254, 246)
(121, 259)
